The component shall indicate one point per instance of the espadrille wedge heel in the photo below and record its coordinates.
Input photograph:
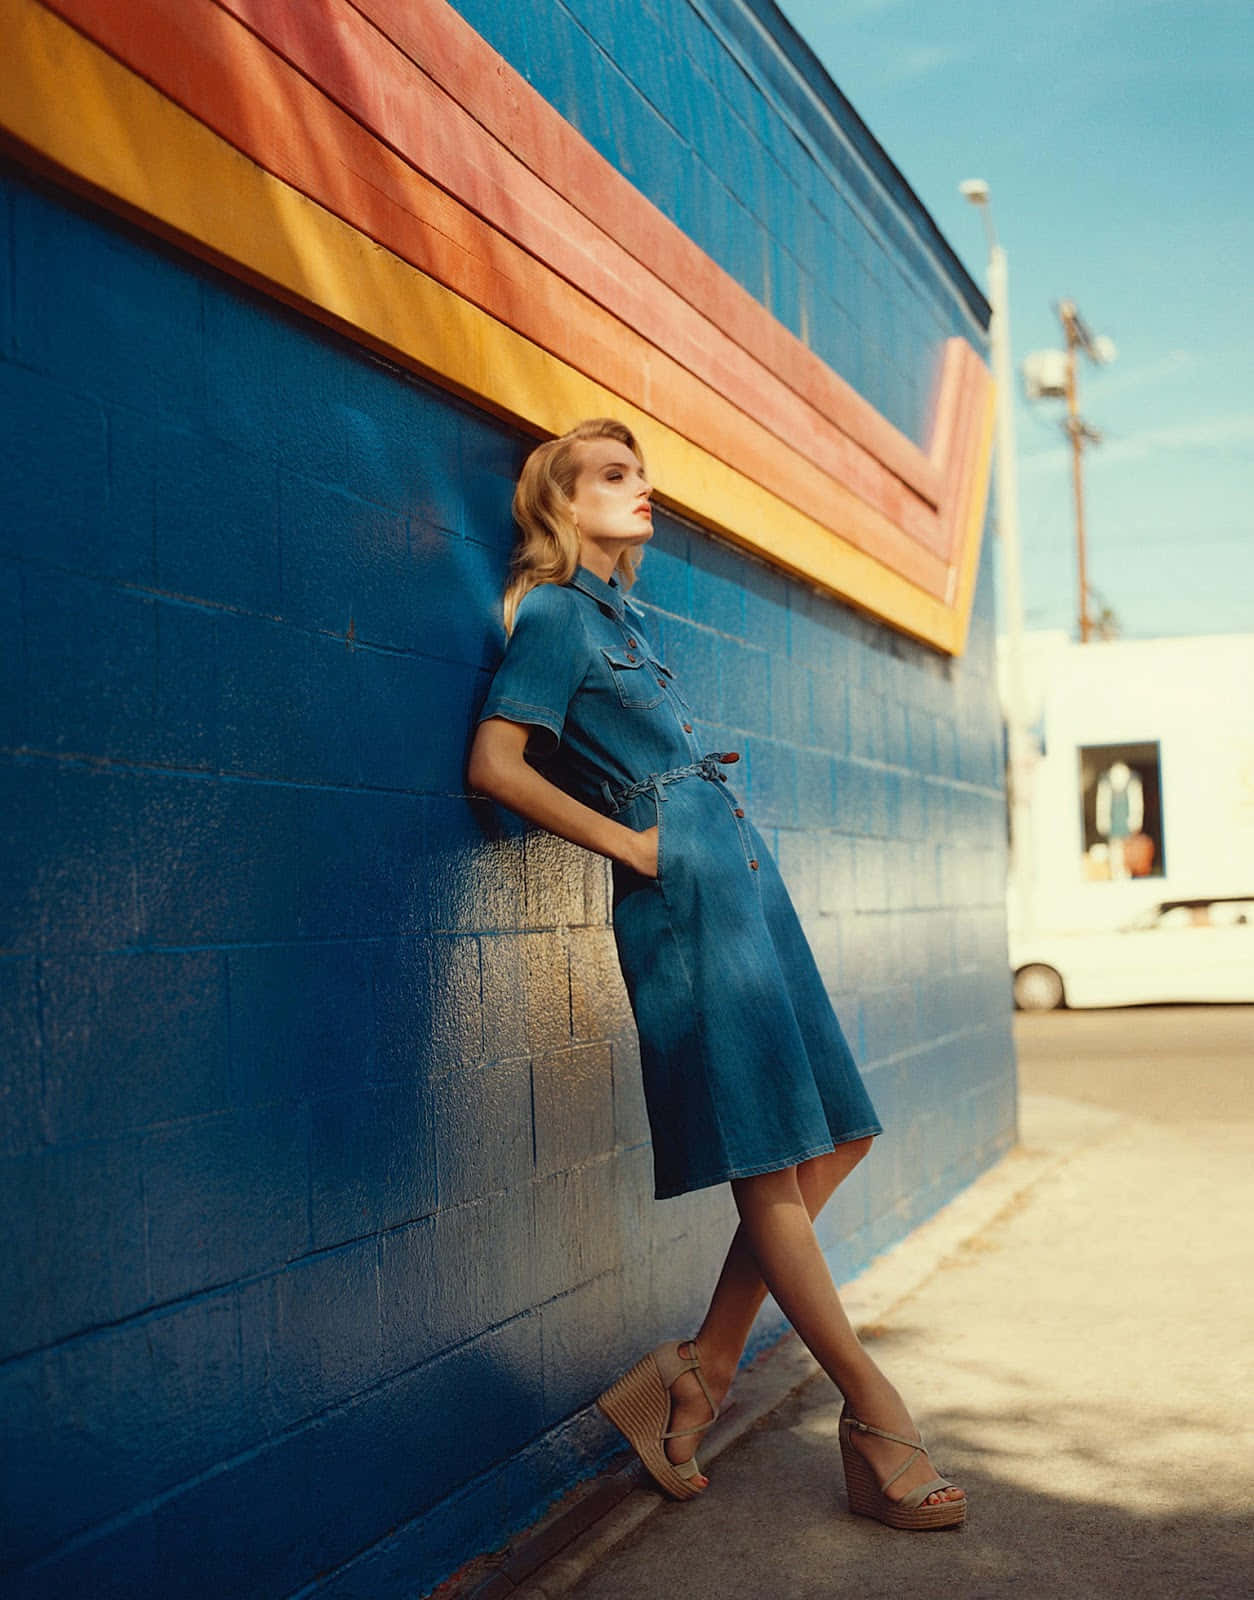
(867, 1497)
(639, 1406)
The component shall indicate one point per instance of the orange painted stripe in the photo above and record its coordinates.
(971, 394)
(228, 79)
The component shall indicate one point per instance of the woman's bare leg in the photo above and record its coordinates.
(738, 1296)
(781, 1236)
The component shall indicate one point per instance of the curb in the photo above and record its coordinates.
(547, 1562)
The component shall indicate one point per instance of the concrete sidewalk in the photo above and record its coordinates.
(1074, 1333)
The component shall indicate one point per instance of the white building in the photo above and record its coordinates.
(1142, 776)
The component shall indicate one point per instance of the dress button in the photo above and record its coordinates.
(661, 683)
(740, 811)
(631, 644)
(687, 727)
(754, 865)
(631, 658)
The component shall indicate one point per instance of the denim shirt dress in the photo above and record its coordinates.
(745, 1067)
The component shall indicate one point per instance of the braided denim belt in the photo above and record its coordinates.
(707, 768)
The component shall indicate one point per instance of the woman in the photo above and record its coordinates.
(747, 1075)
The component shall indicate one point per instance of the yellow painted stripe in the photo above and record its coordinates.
(109, 129)
(973, 530)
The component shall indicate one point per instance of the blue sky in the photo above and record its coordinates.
(1117, 139)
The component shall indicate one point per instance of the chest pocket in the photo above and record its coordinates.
(636, 678)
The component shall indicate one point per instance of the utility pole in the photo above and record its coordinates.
(1078, 337)
(1051, 374)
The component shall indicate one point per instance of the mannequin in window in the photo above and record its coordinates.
(1120, 812)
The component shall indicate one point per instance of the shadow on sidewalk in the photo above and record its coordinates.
(1063, 1506)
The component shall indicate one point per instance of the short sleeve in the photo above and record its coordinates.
(545, 662)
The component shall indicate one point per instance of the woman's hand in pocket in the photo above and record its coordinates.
(643, 852)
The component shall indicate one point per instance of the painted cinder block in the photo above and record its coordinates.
(553, 873)
(478, 497)
(310, 1335)
(444, 1279)
(791, 695)
(346, 563)
(117, 1564)
(224, 1197)
(890, 1021)
(694, 654)
(426, 998)
(184, 730)
(132, 1040)
(21, 1113)
(573, 1242)
(744, 703)
(767, 780)
(547, 960)
(99, 325)
(216, 521)
(102, 1424)
(301, 1021)
(67, 882)
(573, 1101)
(215, 861)
(349, 839)
(459, 1418)
(246, 1529)
(77, 1253)
(473, 863)
(483, 1120)
(13, 671)
(288, 702)
(717, 588)
(599, 1007)
(584, 1333)
(458, 610)
(665, 579)
(89, 665)
(274, 383)
(55, 500)
(372, 1161)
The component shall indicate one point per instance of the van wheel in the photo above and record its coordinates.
(1038, 988)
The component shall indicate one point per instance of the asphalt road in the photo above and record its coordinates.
(1163, 1063)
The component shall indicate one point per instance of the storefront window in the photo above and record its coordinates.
(1121, 801)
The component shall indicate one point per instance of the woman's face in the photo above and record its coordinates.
(610, 502)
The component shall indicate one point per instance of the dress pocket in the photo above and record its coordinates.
(636, 679)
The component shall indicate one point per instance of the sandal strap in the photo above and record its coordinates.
(883, 1433)
(672, 1365)
(916, 1497)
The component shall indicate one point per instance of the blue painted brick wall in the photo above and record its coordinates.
(321, 1136)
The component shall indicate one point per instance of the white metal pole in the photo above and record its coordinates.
(1022, 851)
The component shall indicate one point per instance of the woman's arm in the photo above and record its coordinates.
(498, 767)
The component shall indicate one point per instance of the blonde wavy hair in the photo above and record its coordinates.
(548, 540)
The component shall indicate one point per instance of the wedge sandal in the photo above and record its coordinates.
(639, 1406)
(867, 1497)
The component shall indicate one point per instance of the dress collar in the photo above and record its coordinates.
(608, 595)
